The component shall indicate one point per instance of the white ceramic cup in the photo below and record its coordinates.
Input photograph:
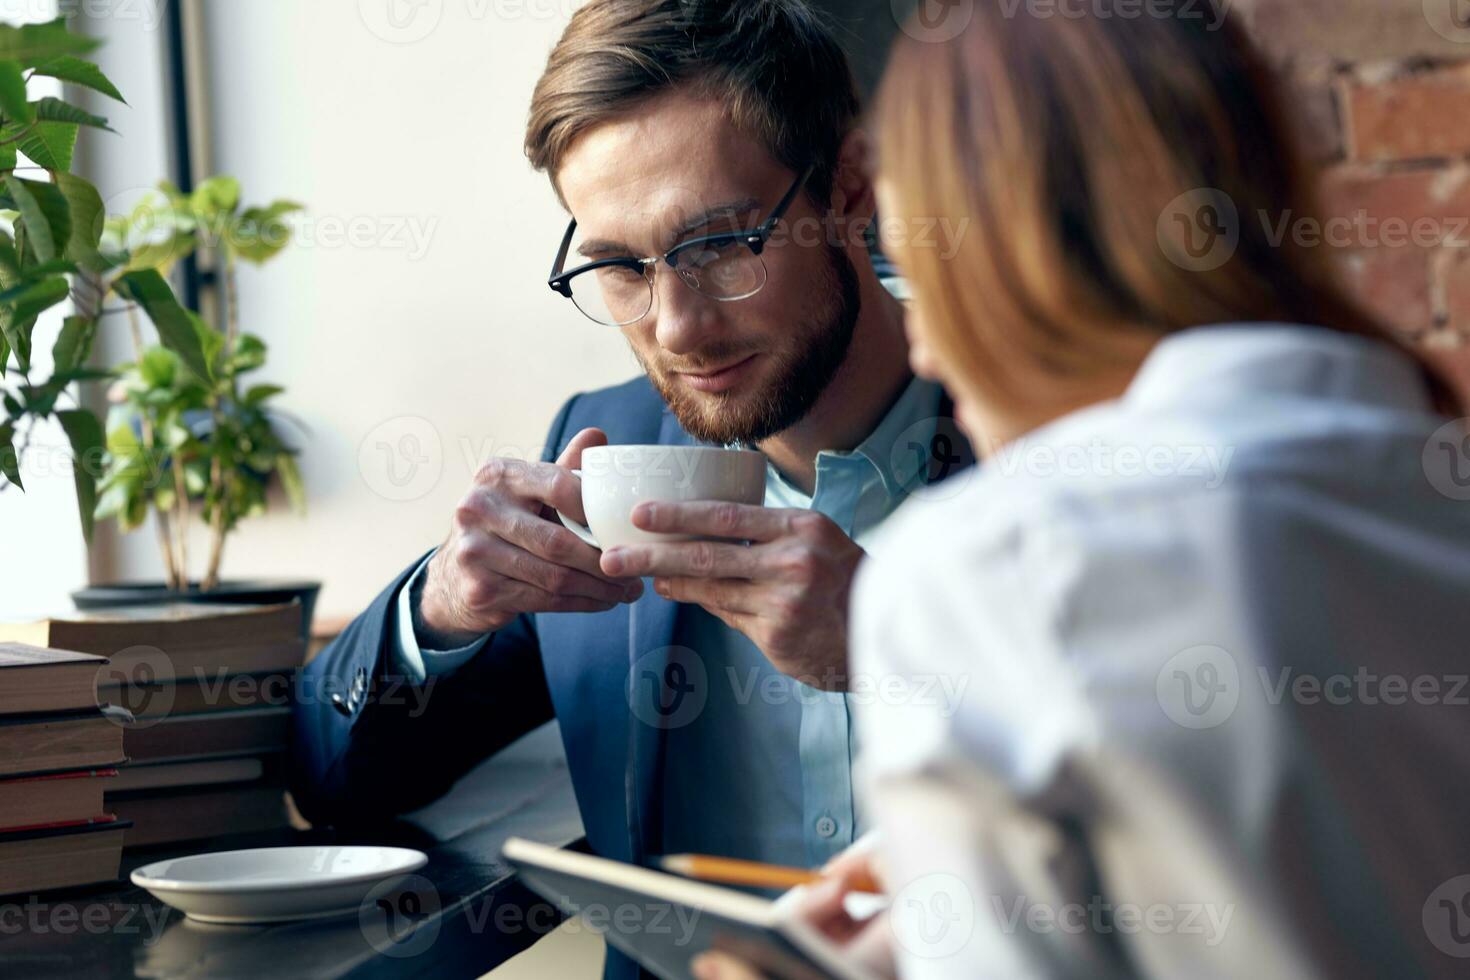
(615, 479)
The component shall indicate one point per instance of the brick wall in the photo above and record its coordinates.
(1383, 92)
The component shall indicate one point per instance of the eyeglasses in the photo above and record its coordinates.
(725, 267)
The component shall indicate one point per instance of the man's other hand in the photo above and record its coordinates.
(507, 553)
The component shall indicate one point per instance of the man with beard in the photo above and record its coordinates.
(664, 126)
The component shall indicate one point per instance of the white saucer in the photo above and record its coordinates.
(276, 884)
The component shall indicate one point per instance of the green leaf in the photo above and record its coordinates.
(175, 325)
(157, 398)
(9, 462)
(52, 109)
(41, 399)
(259, 233)
(114, 502)
(249, 353)
(48, 144)
(291, 482)
(196, 477)
(56, 267)
(155, 235)
(23, 302)
(32, 44)
(215, 196)
(44, 211)
(85, 434)
(176, 437)
(19, 307)
(175, 196)
(73, 344)
(136, 514)
(257, 394)
(210, 339)
(88, 215)
(9, 261)
(29, 300)
(158, 367)
(8, 159)
(13, 102)
(82, 374)
(79, 72)
(4, 354)
(17, 334)
(122, 441)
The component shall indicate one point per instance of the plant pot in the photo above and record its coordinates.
(248, 592)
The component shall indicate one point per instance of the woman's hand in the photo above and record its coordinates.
(867, 940)
(722, 966)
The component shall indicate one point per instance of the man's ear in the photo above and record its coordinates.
(853, 197)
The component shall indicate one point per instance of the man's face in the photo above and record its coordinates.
(675, 169)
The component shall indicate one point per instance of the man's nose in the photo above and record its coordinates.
(685, 319)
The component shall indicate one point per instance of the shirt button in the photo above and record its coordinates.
(826, 826)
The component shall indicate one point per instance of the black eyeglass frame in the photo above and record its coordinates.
(755, 240)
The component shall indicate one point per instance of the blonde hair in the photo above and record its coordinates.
(1064, 140)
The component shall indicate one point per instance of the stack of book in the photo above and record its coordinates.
(58, 752)
(209, 691)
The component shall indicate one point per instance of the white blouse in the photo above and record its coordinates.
(1176, 686)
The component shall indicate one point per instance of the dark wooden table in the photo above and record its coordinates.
(459, 916)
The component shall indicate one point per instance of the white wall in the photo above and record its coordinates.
(414, 305)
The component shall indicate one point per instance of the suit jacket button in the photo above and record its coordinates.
(340, 705)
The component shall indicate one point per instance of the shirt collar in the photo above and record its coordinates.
(1272, 358)
(913, 419)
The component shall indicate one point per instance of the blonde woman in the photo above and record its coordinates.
(1208, 598)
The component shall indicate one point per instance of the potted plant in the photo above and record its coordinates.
(190, 448)
(51, 252)
(53, 249)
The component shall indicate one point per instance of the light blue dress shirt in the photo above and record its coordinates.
(765, 771)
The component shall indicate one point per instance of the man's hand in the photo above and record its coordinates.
(787, 590)
(507, 553)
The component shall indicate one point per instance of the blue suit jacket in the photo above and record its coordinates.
(342, 752)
